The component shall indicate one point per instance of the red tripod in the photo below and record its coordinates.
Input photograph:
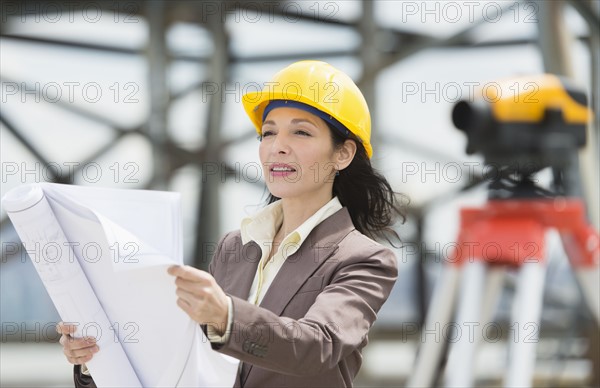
(505, 233)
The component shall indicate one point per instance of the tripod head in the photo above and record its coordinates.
(519, 187)
(523, 125)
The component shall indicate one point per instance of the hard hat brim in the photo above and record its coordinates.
(255, 103)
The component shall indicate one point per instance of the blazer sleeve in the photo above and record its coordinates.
(81, 380)
(335, 326)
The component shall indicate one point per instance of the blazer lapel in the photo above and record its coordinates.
(320, 244)
(241, 269)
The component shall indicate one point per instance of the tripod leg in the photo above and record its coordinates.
(493, 288)
(526, 314)
(590, 288)
(439, 313)
(581, 244)
(461, 360)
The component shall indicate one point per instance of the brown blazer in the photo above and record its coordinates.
(314, 319)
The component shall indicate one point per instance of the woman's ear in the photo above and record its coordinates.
(345, 153)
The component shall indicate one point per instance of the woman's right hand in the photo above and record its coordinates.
(77, 350)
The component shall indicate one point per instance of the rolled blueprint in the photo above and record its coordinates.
(103, 255)
(60, 271)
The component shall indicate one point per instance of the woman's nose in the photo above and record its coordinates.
(281, 144)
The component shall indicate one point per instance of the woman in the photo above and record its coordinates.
(293, 293)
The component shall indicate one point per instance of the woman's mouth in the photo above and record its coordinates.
(281, 170)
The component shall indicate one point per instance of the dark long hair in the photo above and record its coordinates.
(372, 203)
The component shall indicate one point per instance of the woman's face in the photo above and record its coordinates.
(297, 155)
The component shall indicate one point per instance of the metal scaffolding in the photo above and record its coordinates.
(381, 47)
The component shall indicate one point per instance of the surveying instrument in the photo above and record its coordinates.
(521, 127)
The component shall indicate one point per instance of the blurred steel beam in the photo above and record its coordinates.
(247, 135)
(421, 274)
(280, 9)
(587, 11)
(187, 91)
(428, 152)
(120, 132)
(159, 95)
(292, 56)
(208, 220)
(555, 40)
(73, 44)
(405, 48)
(503, 43)
(369, 55)
(555, 43)
(590, 11)
(462, 37)
(70, 44)
(70, 107)
(8, 239)
(31, 148)
(180, 157)
(556, 46)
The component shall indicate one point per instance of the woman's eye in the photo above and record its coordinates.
(267, 133)
(302, 133)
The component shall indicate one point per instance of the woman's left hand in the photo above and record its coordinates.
(200, 296)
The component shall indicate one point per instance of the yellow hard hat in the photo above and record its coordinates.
(321, 86)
